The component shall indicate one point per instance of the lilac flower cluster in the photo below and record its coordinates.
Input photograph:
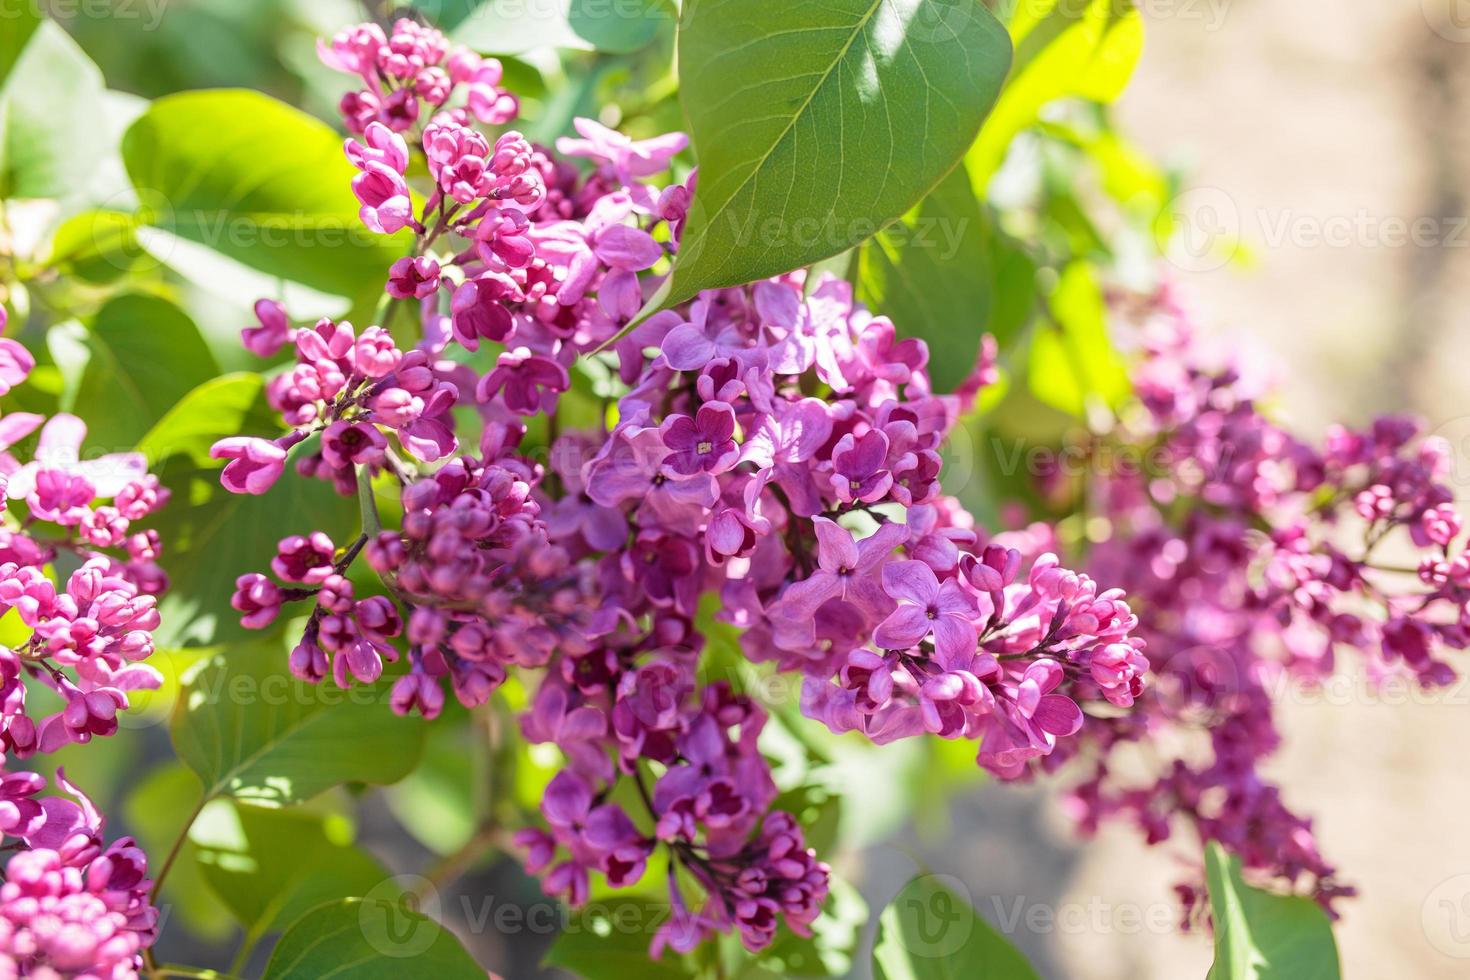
(86, 635)
(772, 445)
(70, 907)
(1253, 558)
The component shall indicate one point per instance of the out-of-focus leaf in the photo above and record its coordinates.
(517, 26)
(253, 732)
(98, 247)
(816, 123)
(157, 809)
(369, 939)
(932, 273)
(21, 22)
(1261, 936)
(271, 867)
(930, 932)
(260, 182)
(146, 354)
(609, 941)
(1064, 48)
(1073, 363)
(436, 802)
(51, 112)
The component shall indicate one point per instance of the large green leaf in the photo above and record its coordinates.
(1261, 936)
(258, 181)
(51, 113)
(586, 25)
(253, 732)
(369, 939)
(215, 536)
(933, 274)
(817, 122)
(271, 867)
(1064, 49)
(146, 355)
(929, 932)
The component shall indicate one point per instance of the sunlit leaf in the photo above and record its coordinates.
(815, 123)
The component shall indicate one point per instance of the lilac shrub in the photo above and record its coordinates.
(773, 444)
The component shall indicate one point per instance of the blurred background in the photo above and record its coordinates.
(1328, 243)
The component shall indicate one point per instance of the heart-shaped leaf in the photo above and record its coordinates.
(817, 122)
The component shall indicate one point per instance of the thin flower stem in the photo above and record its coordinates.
(372, 524)
(175, 970)
(173, 852)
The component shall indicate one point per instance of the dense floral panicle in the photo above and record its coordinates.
(86, 635)
(1254, 559)
(709, 483)
(69, 907)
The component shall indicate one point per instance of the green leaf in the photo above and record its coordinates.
(21, 22)
(156, 810)
(932, 273)
(271, 867)
(610, 26)
(1261, 936)
(1073, 364)
(146, 354)
(51, 112)
(437, 802)
(98, 247)
(253, 732)
(217, 408)
(1064, 48)
(609, 940)
(369, 939)
(260, 182)
(929, 932)
(817, 122)
(215, 536)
